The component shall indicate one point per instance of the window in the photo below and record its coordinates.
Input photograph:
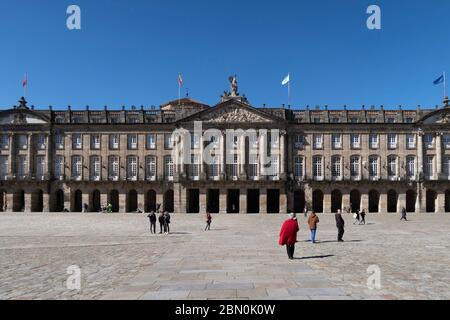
(355, 166)
(253, 165)
(23, 141)
(446, 140)
(95, 141)
(77, 141)
(390, 120)
(133, 120)
(318, 141)
(353, 120)
(114, 141)
(195, 141)
(299, 168)
(428, 170)
(95, 167)
(410, 166)
(446, 167)
(40, 142)
(4, 142)
(234, 167)
(392, 141)
(114, 167)
(168, 143)
(59, 167)
(316, 120)
(214, 167)
(373, 141)
(150, 168)
(151, 141)
(21, 167)
(194, 166)
(132, 165)
(409, 120)
(168, 167)
(59, 141)
(355, 140)
(77, 167)
(336, 141)
(411, 141)
(373, 167)
(428, 139)
(132, 141)
(336, 167)
(372, 120)
(4, 167)
(318, 168)
(273, 169)
(334, 120)
(59, 119)
(392, 166)
(40, 167)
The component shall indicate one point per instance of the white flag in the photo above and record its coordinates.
(286, 80)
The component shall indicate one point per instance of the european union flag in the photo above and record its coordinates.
(439, 80)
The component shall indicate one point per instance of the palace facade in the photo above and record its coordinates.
(376, 159)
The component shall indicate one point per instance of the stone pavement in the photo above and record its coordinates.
(238, 259)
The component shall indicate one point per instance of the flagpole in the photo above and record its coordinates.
(445, 85)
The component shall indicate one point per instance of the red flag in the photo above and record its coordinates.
(180, 80)
(25, 81)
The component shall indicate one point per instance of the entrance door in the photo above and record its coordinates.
(253, 201)
(273, 201)
(193, 201)
(213, 201)
(233, 201)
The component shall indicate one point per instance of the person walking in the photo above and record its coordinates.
(288, 235)
(313, 220)
(208, 221)
(152, 219)
(305, 211)
(356, 216)
(162, 223)
(363, 217)
(340, 223)
(167, 222)
(403, 215)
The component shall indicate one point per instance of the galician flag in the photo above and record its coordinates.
(286, 80)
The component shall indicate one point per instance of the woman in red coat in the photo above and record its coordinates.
(288, 235)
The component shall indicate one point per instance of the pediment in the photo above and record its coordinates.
(233, 112)
(19, 117)
(441, 116)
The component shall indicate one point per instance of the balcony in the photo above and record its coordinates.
(318, 178)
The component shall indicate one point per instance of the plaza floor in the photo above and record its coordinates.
(238, 259)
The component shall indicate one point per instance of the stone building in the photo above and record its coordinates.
(373, 158)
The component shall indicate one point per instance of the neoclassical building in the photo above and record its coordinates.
(373, 158)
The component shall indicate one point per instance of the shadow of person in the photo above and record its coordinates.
(316, 257)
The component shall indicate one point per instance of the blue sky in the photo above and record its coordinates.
(130, 52)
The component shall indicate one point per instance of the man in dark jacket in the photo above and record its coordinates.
(403, 215)
(167, 222)
(340, 225)
(152, 218)
(162, 223)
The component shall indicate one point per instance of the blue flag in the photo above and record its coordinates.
(439, 80)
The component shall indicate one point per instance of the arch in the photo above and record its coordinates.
(19, 201)
(317, 201)
(95, 201)
(431, 200)
(168, 201)
(299, 201)
(2, 200)
(374, 201)
(59, 201)
(336, 201)
(150, 201)
(355, 200)
(37, 201)
(132, 203)
(411, 197)
(113, 199)
(392, 201)
(77, 201)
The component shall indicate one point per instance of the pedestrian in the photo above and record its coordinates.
(85, 208)
(167, 222)
(356, 217)
(288, 235)
(340, 223)
(313, 220)
(109, 208)
(152, 218)
(208, 221)
(162, 223)
(363, 217)
(403, 215)
(305, 211)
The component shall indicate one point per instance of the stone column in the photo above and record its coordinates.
(419, 195)
(438, 155)
(263, 201)
(12, 157)
(382, 206)
(419, 154)
(223, 201)
(67, 198)
(365, 202)
(282, 168)
(122, 202)
(222, 156)
(243, 201)
(202, 201)
(45, 202)
(30, 155)
(242, 171)
(262, 147)
(202, 175)
(10, 201)
(27, 206)
(327, 202)
(283, 202)
(440, 205)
